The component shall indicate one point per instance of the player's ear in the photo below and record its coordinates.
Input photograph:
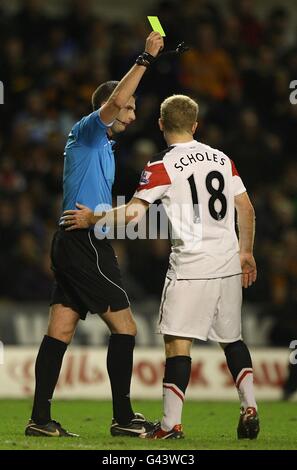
(194, 127)
(160, 122)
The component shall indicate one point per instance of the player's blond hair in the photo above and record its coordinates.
(179, 113)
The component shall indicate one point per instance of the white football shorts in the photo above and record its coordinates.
(202, 308)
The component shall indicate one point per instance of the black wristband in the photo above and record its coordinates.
(145, 59)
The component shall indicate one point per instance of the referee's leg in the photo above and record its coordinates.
(123, 330)
(61, 328)
(62, 323)
(120, 322)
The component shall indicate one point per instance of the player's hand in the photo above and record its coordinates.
(75, 219)
(249, 269)
(154, 43)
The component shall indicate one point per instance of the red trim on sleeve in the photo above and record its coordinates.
(153, 176)
(234, 169)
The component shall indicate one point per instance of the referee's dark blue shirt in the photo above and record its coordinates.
(89, 166)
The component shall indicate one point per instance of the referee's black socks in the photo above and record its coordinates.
(119, 366)
(47, 369)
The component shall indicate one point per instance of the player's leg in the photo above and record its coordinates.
(175, 382)
(227, 331)
(186, 312)
(240, 365)
(61, 328)
(176, 379)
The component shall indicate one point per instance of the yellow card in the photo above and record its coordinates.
(156, 25)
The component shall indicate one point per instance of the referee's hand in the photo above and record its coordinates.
(154, 43)
(76, 219)
(249, 269)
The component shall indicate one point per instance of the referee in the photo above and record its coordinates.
(87, 275)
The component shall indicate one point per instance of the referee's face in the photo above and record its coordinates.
(125, 117)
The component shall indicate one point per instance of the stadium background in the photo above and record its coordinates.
(53, 55)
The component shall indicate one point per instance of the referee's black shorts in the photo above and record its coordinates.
(87, 274)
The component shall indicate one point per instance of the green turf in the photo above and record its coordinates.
(207, 425)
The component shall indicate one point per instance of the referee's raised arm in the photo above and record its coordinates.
(127, 86)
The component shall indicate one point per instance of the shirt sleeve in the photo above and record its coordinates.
(238, 186)
(154, 182)
(92, 129)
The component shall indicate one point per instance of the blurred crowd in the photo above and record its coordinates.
(239, 68)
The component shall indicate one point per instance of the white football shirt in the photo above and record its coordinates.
(196, 185)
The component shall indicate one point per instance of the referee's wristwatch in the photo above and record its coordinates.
(145, 59)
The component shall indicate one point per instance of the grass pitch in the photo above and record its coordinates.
(207, 425)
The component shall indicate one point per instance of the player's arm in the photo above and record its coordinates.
(246, 227)
(121, 215)
(153, 184)
(127, 86)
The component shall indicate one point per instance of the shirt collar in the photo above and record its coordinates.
(191, 142)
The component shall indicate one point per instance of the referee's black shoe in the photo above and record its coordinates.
(248, 426)
(138, 425)
(51, 429)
